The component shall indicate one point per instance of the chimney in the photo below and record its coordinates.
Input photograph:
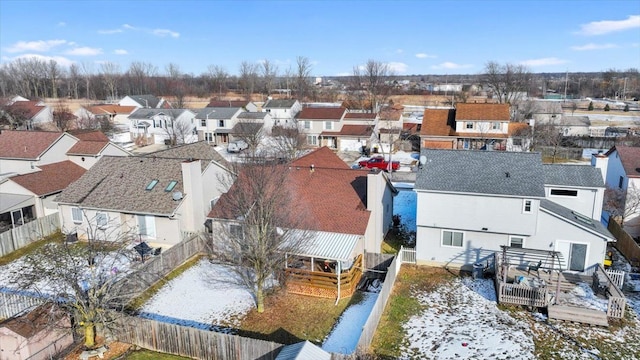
(193, 211)
(600, 161)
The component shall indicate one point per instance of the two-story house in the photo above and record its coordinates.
(469, 203)
(320, 124)
(283, 112)
(157, 126)
(145, 101)
(30, 113)
(214, 124)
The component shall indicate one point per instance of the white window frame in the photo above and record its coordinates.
(203, 122)
(469, 125)
(75, 212)
(452, 237)
(495, 125)
(208, 137)
(328, 125)
(527, 203)
(516, 237)
(312, 140)
(307, 125)
(102, 220)
(221, 123)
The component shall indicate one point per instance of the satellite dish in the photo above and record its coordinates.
(177, 195)
(423, 160)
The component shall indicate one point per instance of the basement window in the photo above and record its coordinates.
(171, 185)
(152, 184)
(564, 192)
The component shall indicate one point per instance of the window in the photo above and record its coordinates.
(452, 238)
(621, 182)
(517, 142)
(469, 125)
(208, 137)
(203, 122)
(564, 192)
(312, 140)
(152, 184)
(235, 231)
(527, 206)
(516, 242)
(495, 125)
(307, 124)
(328, 125)
(102, 220)
(76, 215)
(220, 123)
(171, 185)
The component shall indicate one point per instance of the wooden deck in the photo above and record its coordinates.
(324, 284)
(577, 314)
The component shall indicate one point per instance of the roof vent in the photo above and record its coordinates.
(177, 195)
(507, 174)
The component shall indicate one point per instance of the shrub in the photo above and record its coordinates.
(590, 106)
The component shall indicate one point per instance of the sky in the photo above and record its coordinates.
(412, 37)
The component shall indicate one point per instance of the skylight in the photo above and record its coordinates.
(171, 185)
(152, 184)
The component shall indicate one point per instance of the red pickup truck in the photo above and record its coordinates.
(379, 163)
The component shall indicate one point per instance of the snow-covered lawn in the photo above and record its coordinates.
(462, 321)
(206, 296)
(344, 337)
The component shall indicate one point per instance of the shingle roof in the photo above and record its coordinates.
(91, 142)
(279, 104)
(436, 122)
(482, 172)
(518, 128)
(150, 113)
(303, 351)
(321, 158)
(470, 111)
(246, 128)
(51, 179)
(572, 175)
(200, 150)
(110, 109)
(630, 158)
(392, 113)
(321, 113)
(89, 135)
(216, 113)
(146, 100)
(227, 103)
(360, 116)
(351, 130)
(118, 183)
(582, 221)
(252, 115)
(26, 144)
(32, 322)
(28, 109)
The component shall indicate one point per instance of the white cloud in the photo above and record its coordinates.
(165, 32)
(609, 26)
(127, 26)
(592, 46)
(424, 56)
(62, 61)
(448, 65)
(40, 45)
(120, 52)
(397, 67)
(109, 32)
(543, 62)
(84, 51)
(62, 24)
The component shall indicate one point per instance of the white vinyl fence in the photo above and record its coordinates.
(21, 236)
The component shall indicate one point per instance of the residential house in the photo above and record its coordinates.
(283, 112)
(160, 126)
(620, 166)
(246, 105)
(349, 213)
(391, 120)
(30, 196)
(321, 124)
(214, 124)
(144, 102)
(92, 145)
(571, 125)
(32, 336)
(252, 126)
(577, 187)
(359, 130)
(31, 113)
(544, 112)
(115, 114)
(22, 151)
(473, 126)
(469, 203)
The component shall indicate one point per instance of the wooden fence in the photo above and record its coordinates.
(21, 236)
(14, 302)
(625, 243)
(191, 342)
(322, 284)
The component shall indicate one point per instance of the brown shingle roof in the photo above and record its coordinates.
(438, 144)
(392, 113)
(517, 128)
(200, 150)
(26, 144)
(87, 148)
(630, 158)
(51, 179)
(321, 158)
(322, 113)
(118, 183)
(468, 111)
(29, 109)
(360, 116)
(227, 103)
(110, 109)
(89, 135)
(436, 122)
(351, 130)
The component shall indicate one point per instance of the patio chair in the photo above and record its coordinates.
(535, 268)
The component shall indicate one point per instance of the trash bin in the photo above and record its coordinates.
(478, 271)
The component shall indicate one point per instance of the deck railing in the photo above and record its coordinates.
(523, 295)
(616, 300)
(328, 282)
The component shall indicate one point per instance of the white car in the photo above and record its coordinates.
(237, 146)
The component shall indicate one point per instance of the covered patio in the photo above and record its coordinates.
(538, 278)
(15, 210)
(329, 266)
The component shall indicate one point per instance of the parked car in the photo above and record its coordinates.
(379, 162)
(237, 146)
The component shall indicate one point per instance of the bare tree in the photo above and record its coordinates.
(251, 131)
(269, 72)
(82, 279)
(176, 131)
(73, 81)
(259, 222)
(62, 116)
(287, 142)
(621, 204)
(373, 77)
(507, 82)
(110, 73)
(139, 74)
(87, 74)
(219, 77)
(303, 72)
(248, 78)
(547, 135)
(54, 73)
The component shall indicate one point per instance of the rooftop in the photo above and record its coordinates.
(572, 175)
(51, 178)
(322, 113)
(630, 158)
(18, 144)
(473, 111)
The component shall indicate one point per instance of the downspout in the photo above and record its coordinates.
(338, 274)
